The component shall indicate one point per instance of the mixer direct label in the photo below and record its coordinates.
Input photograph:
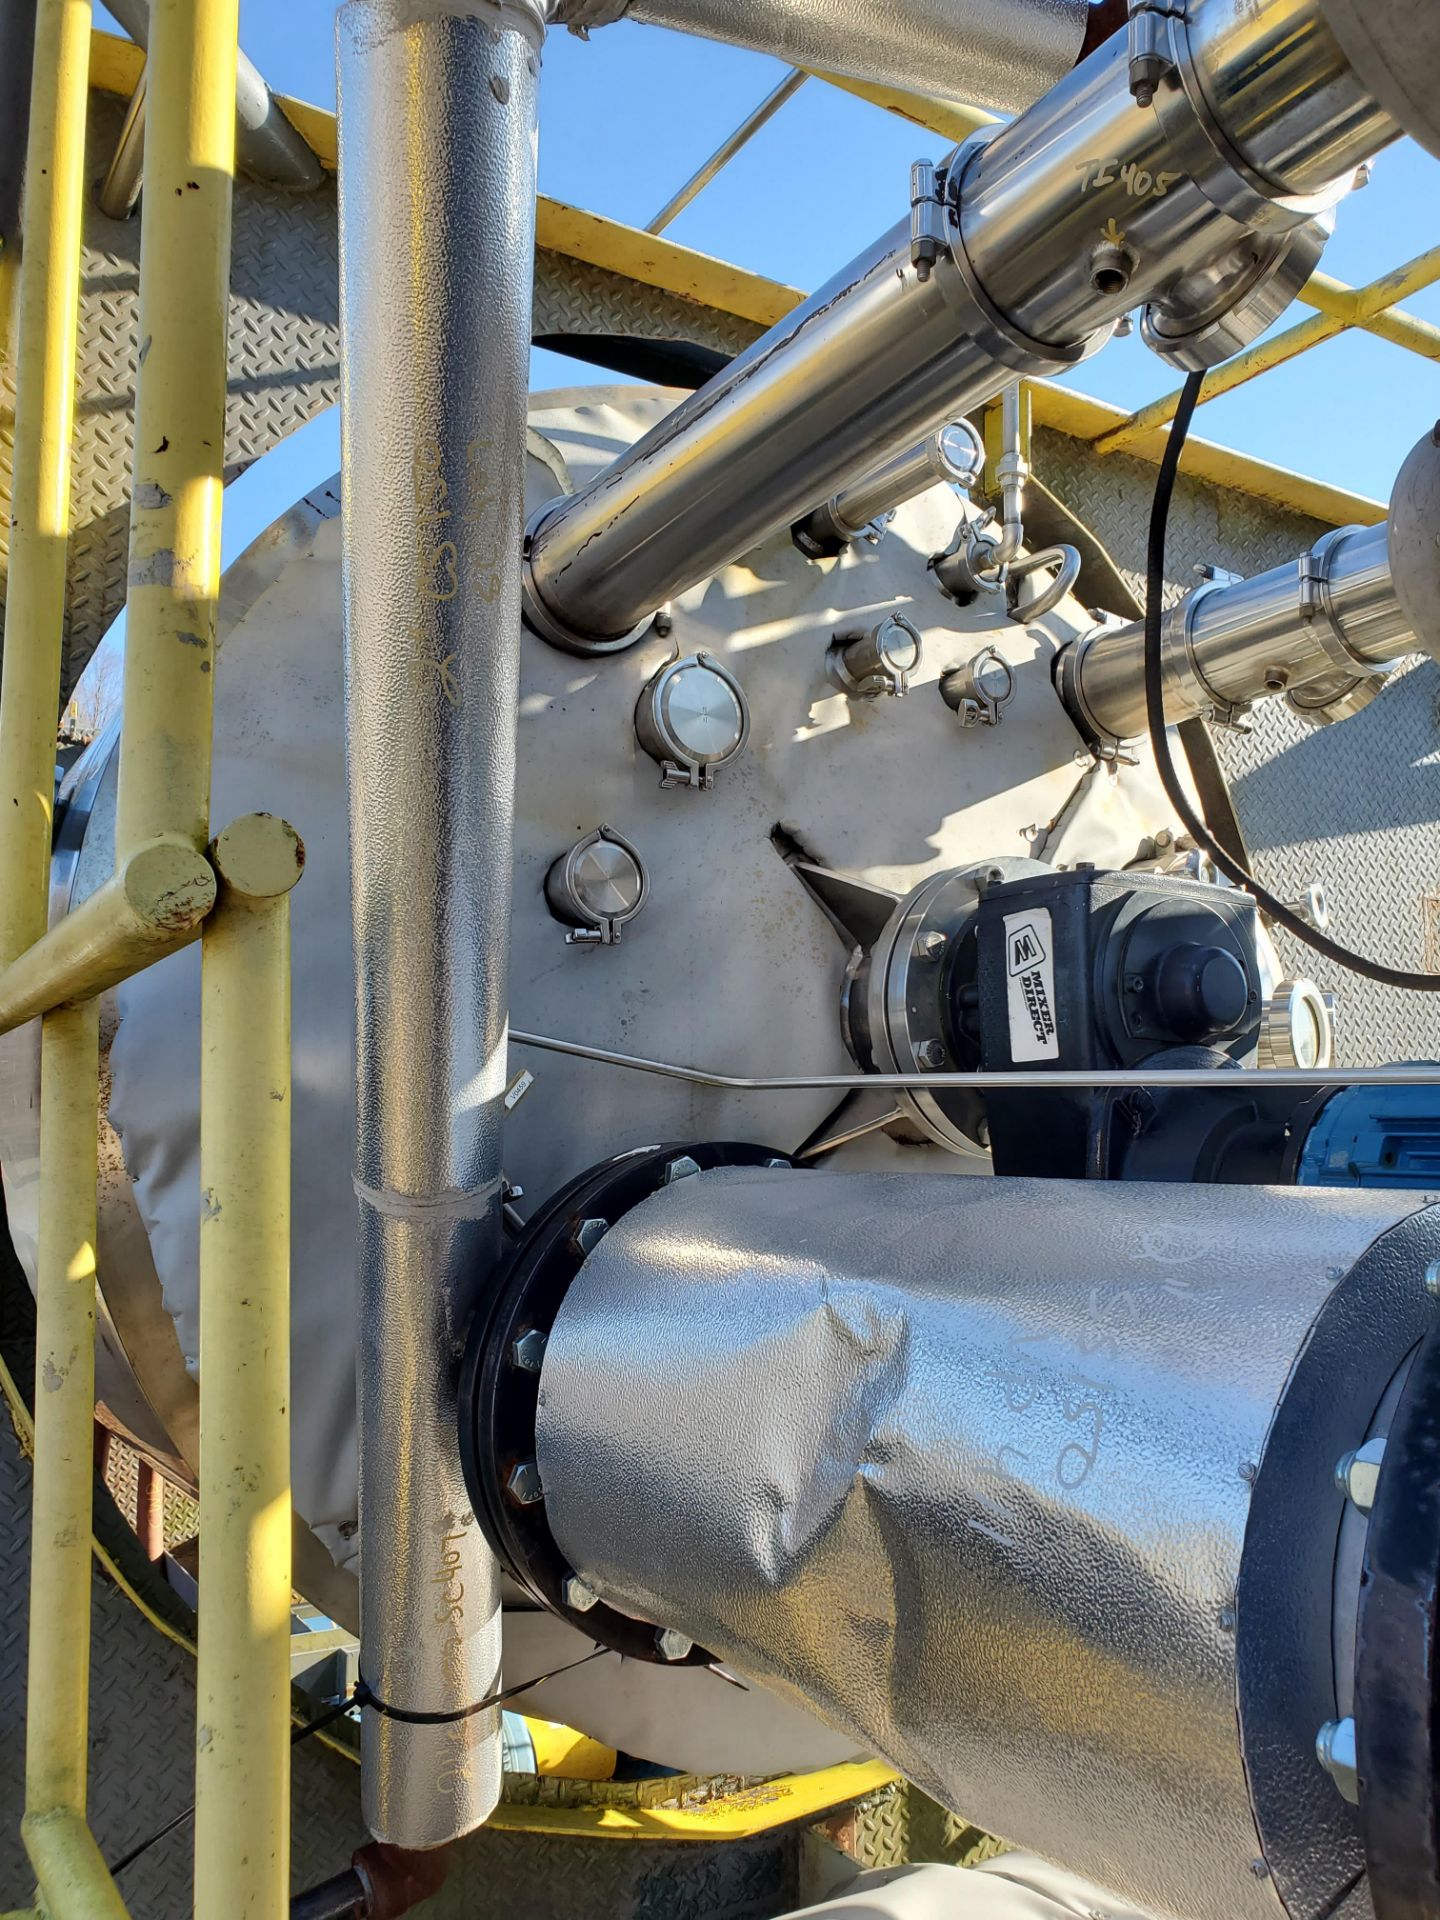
(1030, 971)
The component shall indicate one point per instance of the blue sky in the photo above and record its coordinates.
(629, 115)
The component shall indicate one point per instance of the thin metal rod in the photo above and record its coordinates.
(727, 150)
(242, 1675)
(984, 1082)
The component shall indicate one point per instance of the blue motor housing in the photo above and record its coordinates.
(1374, 1137)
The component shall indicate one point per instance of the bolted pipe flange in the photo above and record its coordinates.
(500, 1383)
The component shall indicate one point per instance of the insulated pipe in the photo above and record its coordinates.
(760, 117)
(988, 53)
(1027, 1485)
(437, 204)
(1045, 232)
(1325, 630)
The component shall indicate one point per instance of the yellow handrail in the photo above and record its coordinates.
(67, 1864)
(1341, 307)
(180, 389)
(166, 889)
(242, 1759)
(49, 314)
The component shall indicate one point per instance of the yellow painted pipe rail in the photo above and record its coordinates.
(242, 1746)
(73, 1881)
(72, 1877)
(174, 580)
(1350, 305)
(155, 903)
(1344, 307)
(49, 308)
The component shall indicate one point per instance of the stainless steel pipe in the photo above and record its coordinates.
(1046, 232)
(976, 1469)
(989, 53)
(955, 455)
(1324, 630)
(437, 207)
(1329, 620)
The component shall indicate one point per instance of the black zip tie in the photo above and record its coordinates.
(363, 1697)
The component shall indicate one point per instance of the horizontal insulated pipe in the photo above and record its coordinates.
(976, 1470)
(437, 211)
(1324, 630)
(1012, 268)
(988, 53)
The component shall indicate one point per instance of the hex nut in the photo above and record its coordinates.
(930, 1054)
(578, 1594)
(588, 1235)
(528, 1352)
(681, 1169)
(1357, 1474)
(523, 1486)
(932, 945)
(671, 1644)
(1335, 1750)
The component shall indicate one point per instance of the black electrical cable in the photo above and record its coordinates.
(1275, 909)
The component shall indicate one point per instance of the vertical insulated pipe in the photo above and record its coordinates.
(49, 304)
(437, 205)
(180, 387)
(242, 1681)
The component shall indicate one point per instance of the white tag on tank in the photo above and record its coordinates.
(1030, 971)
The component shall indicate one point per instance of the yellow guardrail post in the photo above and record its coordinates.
(49, 308)
(180, 389)
(242, 1762)
(1341, 308)
(71, 1874)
